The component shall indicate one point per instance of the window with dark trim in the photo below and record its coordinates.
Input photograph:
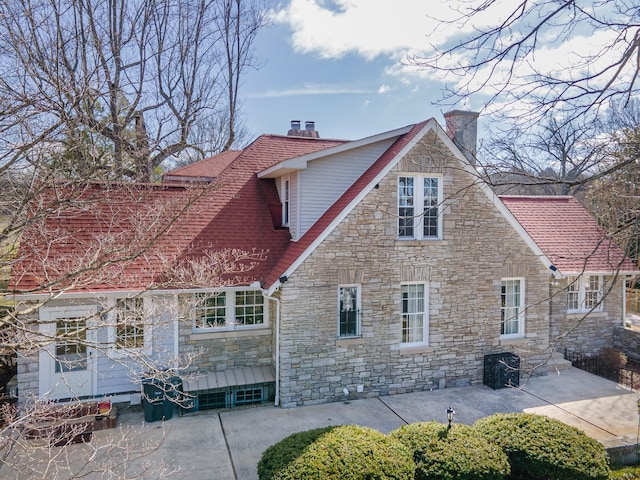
(348, 310)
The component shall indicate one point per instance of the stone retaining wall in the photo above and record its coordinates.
(627, 341)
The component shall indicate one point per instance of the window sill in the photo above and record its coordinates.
(513, 341)
(346, 341)
(574, 314)
(118, 353)
(248, 332)
(412, 242)
(413, 349)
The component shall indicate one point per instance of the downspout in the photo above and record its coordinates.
(277, 396)
(624, 301)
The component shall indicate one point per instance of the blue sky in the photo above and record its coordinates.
(349, 92)
(342, 63)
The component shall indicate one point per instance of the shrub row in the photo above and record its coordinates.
(502, 446)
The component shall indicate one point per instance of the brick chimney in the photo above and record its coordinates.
(462, 128)
(309, 129)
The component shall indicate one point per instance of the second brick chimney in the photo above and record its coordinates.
(309, 129)
(462, 128)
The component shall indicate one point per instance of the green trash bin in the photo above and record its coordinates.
(159, 397)
(152, 400)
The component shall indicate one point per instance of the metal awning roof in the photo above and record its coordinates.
(229, 378)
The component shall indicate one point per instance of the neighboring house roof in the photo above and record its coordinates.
(568, 235)
(205, 170)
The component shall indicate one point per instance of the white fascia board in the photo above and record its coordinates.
(128, 293)
(300, 163)
(72, 295)
(430, 125)
(502, 208)
(603, 273)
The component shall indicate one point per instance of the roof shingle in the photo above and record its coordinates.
(568, 235)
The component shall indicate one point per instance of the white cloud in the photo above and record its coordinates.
(384, 89)
(365, 27)
(369, 28)
(311, 89)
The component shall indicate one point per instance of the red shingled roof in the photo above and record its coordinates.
(568, 235)
(232, 212)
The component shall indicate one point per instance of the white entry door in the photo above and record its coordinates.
(67, 368)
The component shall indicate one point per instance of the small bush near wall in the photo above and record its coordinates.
(627, 473)
(281, 454)
(542, 448)
(460, 452)
(352, 453)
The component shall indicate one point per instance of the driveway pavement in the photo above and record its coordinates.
(227, 445)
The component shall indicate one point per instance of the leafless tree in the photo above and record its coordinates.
(555, 159)
(500, 59)
(132, 245)
(114, 88)
(93, 92)
(613, 196)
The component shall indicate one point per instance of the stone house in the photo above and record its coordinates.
(377, 266)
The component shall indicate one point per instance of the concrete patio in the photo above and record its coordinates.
(227, 445)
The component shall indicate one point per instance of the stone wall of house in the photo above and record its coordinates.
(627, 341)
(585, 333)
(219, 351)
(464, 271)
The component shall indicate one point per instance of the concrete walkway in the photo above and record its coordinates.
(227, 445)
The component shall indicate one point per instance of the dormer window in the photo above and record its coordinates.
(286, 200)
(420, 207)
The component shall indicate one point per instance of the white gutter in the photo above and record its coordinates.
(277, 396)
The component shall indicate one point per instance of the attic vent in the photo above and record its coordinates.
(309, 129)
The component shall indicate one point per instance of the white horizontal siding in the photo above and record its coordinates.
(326, 179)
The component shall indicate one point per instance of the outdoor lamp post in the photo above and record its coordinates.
(450, 413)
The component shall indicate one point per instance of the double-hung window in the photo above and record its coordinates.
(512, 311)
(420, 207)
(348, 310)
(130, 323)
(584, 293)
(229, 310)
(415, 313)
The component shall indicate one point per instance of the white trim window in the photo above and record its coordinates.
(415, 313)
(420, 207)
(229, 310)
(130, 323)
(349, 310)
(130, 327)
(512, 308)
(584, 293)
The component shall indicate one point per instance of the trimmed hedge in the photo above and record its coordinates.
(281, 454)
(459, 453)
(542, 448)
(351, 453)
